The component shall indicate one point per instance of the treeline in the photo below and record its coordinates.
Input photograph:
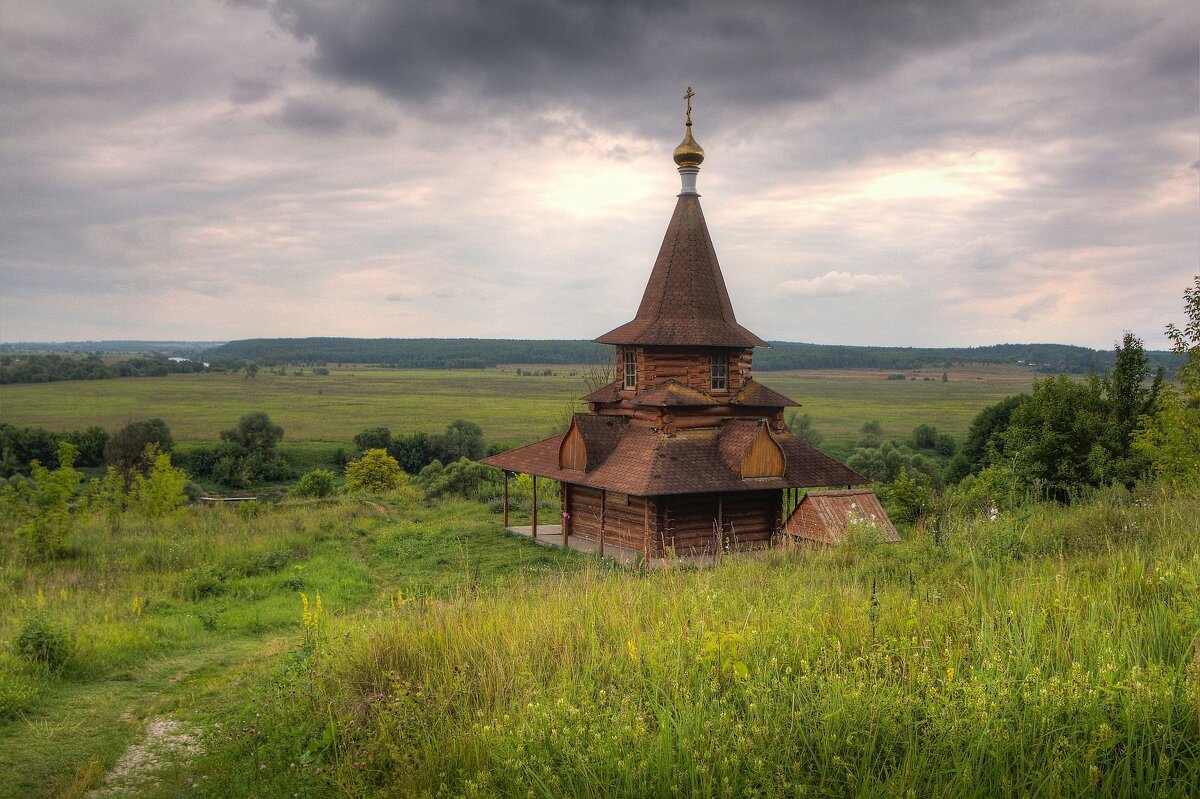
(409, 353)
(434, 353)
(52, 367)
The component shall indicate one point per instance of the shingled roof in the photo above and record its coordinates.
(672, 393)
(824, 516)
(645, 462)
(685, 302)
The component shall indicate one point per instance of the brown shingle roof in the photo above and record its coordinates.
(685, 302)
(756, 394)
(823, 516)
(736, 437)
(646, 462)
(673, 393)
(600, 435)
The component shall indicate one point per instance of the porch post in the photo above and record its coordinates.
(603, 504)
(721, 516)
(646, 523)
(506, 499)
(566, 506)
(534, 476)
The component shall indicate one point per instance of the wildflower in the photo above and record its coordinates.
(949, 673)
(629, 645)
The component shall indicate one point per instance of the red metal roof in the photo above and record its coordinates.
(823, 516)
(685, 302)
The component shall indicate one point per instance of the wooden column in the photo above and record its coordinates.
(506, 500)
(603, 507)
(534, 509)
(646, 525)
(721, 518)
(566, 506)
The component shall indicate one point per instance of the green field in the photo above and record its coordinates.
(509, 408)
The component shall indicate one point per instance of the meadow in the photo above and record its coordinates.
(330, 410)
(1050, 652)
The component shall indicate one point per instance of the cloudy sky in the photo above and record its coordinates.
(902, 173)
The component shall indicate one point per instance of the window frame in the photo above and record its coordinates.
(629, 366)
(718, 372)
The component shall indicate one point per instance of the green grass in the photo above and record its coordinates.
(321, 414)
(151, 606)
(1054, 654)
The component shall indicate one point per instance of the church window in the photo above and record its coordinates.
(720, 372)
(630, 368)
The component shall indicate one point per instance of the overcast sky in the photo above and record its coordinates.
(899, 173)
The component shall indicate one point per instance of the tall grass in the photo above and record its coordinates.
(1050, 653)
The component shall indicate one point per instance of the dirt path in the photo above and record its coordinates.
(167, 743)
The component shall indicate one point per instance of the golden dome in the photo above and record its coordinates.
(688, 153)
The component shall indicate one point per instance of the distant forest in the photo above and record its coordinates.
(52, 367)
(45, 363)
(431, 353)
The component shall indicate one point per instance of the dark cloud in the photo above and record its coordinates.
(616, 58)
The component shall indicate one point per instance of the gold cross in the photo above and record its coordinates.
(688, 96)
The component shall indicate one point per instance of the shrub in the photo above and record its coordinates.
(463, 478)
(375, 472)
(44, 642)
(41, 504)
(161, 491)
(317, 483)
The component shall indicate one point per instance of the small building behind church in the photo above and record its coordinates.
(684, 451)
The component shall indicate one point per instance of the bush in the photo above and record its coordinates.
(463, 478)
(317, 483)
(44, 642)
(375, 472)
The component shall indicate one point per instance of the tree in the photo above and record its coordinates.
(924, 436)
(463, 478)
(375, 472)
(41, 505)
(462, 439)
(1128, 400)
(255, 432)
(802, 428)
(251, 370)
(1170, 440)
(984, 443)
(90, 442)
(374, 438)
(1054, 437)
(125, 451)
(413, 452)
(872, 434)
(907, 499)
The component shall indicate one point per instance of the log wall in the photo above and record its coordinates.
(747, 520)
(624, 517)
(691, 366)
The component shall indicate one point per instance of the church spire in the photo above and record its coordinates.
(688, 155)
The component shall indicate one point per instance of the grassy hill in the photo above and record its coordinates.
(1052, 652)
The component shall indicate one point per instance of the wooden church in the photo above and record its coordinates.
(684, 451)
